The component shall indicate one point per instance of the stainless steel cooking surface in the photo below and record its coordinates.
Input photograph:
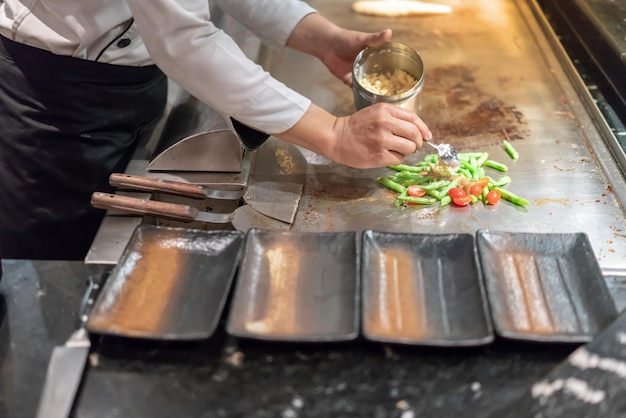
(491, 74)
(423, 289)
(493, 71)
(297, 286)
(544, 287)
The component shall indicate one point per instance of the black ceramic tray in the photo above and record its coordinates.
(170, 283)
(544, 287)
(423, 289)
(297, 286)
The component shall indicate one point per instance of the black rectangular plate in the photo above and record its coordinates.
(297, 286)
(423, 289)
(170, 284)
(544, 286)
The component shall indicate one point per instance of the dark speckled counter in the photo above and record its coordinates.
(227, 377)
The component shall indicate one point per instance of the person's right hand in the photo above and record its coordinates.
(378, 135)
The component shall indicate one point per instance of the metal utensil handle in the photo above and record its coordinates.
(431, 144)
(150, 184)
(134, 205)
(87, 299)
(178, 188)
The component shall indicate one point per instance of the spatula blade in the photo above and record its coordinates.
(65, 371)
(277, 200)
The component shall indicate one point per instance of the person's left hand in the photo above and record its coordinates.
(343, 49)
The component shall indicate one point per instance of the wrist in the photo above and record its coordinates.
(317, 130)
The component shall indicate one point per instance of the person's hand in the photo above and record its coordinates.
(343, 49)
(334, 46)
(378, 135)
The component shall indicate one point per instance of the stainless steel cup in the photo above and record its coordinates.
(387, 58)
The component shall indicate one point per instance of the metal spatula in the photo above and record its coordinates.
(447, 153)
(67, 363)
(242, 218)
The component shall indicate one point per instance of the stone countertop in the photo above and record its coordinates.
(230, 377)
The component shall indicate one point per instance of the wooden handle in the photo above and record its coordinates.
(150, 184)
(134, 205)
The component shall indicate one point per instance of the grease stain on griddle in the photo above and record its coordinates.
(546, 200)
(340, 191)
(457, 109)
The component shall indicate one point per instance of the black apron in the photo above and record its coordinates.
(65, 125)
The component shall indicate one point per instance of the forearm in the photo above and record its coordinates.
(313, 35)
(314, 131)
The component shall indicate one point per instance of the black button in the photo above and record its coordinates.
(123, 43)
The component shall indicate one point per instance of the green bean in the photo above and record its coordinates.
(466, 169)
(510, 150)
(511, 197)
(406, 167)
(468, 155)
(399, 202)
(503, 181)
(484, 194)
(418, 200)
(446, 189)
(435, 185)
(413, 182)
(390, 184)
(446, 200)
(407, 175)
(432, 158)
(496, 165)
(434, 193)
(466, 173)
(481, 160)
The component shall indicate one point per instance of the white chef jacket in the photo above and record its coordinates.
(176, 35)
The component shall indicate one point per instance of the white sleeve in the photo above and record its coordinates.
(272, 21)
(210, 65)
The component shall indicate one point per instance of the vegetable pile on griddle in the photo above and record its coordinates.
(430, 181)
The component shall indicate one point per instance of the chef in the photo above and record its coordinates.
(80, 82)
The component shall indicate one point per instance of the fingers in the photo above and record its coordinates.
(403, 146)
(408, 130)
(378, 135)
(347, 79)
(380, 38)
(413, 118)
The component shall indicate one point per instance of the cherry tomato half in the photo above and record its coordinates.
(456, 192)
(493, 197)
(482, 182)
(462, 200)
(475, 189)
(472, 187)
(415, 191)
